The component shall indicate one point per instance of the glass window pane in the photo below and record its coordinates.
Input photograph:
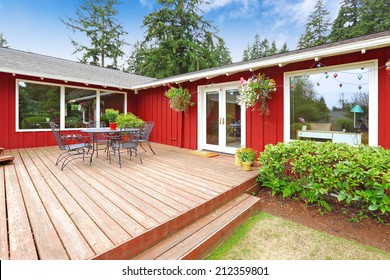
(330, 106)
(38, 104)
(212, 113)
(113, 100)
(233, 119)
(80, 107)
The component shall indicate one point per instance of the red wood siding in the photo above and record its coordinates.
(178, 129)
(260, 130)
(11, 139)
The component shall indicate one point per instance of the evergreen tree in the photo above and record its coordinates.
(96, 19)
(262, 49)
(284, 48)
(178, 40)
(221, 53)
(3, 41)
(344, 26)
(360, 17)
(317, 27)
(374, 17)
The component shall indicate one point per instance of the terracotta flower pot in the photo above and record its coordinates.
(112, 126)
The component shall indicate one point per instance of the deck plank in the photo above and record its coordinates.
(95, 237)
(44, 205)
(126, 221)
(110, 227)
(103, 211)
(21, 241)
(3, 222)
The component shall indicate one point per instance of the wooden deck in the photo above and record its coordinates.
(103, 211)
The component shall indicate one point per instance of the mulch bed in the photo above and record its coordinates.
(368, 231)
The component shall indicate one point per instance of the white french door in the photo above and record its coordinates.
(221, 120)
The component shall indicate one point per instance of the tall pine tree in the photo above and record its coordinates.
(374, 17)
(317, 27)
(360, 17)
(178, 40)
(96, 20)
(262, 49)
(3, 41)
(344, 26)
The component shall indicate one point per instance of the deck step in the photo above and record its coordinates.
(197, 240)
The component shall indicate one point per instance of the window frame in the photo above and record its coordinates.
(62, 102)
(372, 88)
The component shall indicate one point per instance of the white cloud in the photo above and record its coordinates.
(232, 9)
(147, 3)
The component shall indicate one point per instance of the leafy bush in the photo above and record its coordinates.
(32, 122)
(319, 172)
(129, 120)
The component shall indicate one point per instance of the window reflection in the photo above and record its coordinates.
(80, 107)
(38, 104)
(323, 106)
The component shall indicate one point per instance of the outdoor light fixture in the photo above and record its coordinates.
(356, 109)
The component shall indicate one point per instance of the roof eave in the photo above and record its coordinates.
(314, 54)
(62, 78)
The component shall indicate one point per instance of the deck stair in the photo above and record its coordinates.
(198, 239)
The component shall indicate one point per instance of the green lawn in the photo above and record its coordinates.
(267, 237)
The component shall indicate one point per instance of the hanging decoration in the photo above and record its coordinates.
(258, 88)
(179, 98)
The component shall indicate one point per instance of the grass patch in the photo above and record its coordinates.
(267, 237)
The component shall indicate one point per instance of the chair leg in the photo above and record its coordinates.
(119, 156)
(142, 146)
(150, 147)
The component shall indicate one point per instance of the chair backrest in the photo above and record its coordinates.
(57, 135)
(145, 132)
(129, 139)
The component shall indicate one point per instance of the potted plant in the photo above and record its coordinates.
(129, 120)
(258, 88)
(237, 156)
(247, 156)
(112, 116)
(302, 121)
(179, 98)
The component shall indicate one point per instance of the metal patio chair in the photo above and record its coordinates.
(145, 134)
(73, 145)
(127, 139)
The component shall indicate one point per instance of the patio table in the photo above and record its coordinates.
(94, 131)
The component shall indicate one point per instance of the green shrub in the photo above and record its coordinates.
(319, 172)
(129, 120)
(32, 122)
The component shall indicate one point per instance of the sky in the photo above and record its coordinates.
(35, 25)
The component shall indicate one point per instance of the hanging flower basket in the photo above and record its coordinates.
(256, 89)
(179, 98)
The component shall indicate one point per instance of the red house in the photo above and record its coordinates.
(336, 92)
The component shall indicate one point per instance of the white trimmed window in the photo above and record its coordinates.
(70, 107)
(338, 104)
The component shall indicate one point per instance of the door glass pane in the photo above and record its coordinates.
(212, 117)
(233, 120)
(330, 106)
